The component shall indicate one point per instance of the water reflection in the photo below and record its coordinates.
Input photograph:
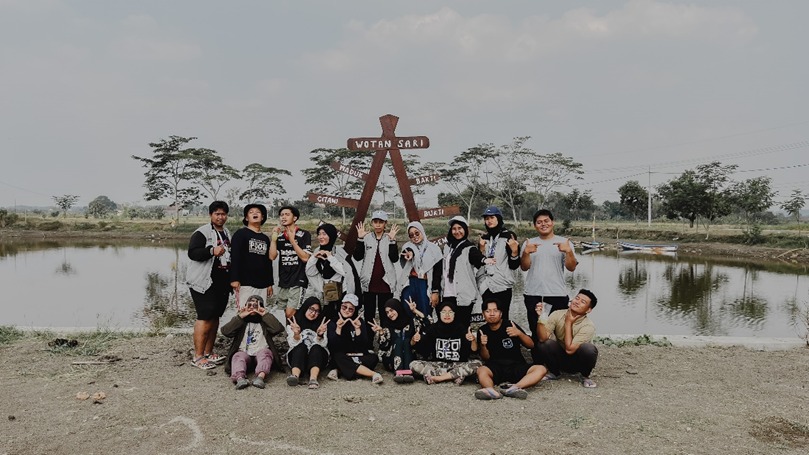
(167, 302)
(632, 278)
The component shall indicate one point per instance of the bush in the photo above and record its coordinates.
(50, 226)
(753, 236)
(7, 219)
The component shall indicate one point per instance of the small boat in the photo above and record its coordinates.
(592, 245)
(656, 249)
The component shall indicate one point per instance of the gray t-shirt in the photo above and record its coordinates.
(546, 277)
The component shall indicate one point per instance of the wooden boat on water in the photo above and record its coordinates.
(592, 245)
(647, 248)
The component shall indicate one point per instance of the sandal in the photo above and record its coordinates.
(215, 358)
(488, 393)
(376, 378)
(403, 379)
(202, 363)
(332, 374)
(313, 384)
(588, 383)
(516, 392)
(292, 380)
(549, 377)
(428, 378)
(459, 380)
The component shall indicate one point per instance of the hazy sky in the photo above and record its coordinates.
(620, 86)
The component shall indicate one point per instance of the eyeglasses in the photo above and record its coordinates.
(347, 306)
(313, 310)
(414, 234)
(447, 313)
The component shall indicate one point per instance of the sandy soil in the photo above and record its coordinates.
(649, 400)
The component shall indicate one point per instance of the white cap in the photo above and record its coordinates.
(379, 215)
(352, 299)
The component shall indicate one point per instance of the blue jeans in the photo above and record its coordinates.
(417, 290)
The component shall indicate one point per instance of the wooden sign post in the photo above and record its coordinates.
(387, 143)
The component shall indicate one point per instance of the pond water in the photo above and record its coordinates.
(140, 284)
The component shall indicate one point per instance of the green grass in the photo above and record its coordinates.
(642, 340)
(9, 334)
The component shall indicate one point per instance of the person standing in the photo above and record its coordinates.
(545, 259)
(208, 280)
(502, 252)
(251, 271)
(459, 268)
(330, 271)
(420, 271)
(572, 350)
(294, 245)
(376, 252)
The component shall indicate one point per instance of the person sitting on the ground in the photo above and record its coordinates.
(252, 331)
(446, 345)
(394, 338)
(306, 336)
(572, 350)
(500, 341)
(349, 344)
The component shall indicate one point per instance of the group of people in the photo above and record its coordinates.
(415, 305)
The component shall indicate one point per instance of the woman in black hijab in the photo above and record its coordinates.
(306, 336)
(446, 345)
(394, 338)
(330, 271)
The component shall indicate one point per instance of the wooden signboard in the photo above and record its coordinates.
(333, 200)
(387, 143)
(439, 212)
(432, 178)
(349, 170)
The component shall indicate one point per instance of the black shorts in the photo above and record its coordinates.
(508, 373)
(212, 304)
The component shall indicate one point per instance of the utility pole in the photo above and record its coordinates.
(649, 199)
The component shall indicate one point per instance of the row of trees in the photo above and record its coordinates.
(513, 176)
(182, 174)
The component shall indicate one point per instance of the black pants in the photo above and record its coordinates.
(503, 298)
(370, 302)
(348, 364)
(306, 359)
(552, 354)
(558, 303)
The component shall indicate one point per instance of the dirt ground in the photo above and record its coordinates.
(649, 399)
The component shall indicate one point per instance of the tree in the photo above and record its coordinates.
(329, 181)
(679, 197)
(577, 203)
(716, 201)
(463, 176)
(752, 196)
(634, 199)
(262, 182)
(101, 206)
(794, 204)
(171, 172)
(211, 171)
(552, 171)
(65, 202)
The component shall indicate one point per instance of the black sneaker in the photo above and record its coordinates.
(403, 379)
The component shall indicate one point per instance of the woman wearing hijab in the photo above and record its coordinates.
(446, 346)
(461, 259)
(331, 273)
(394, 338)
(349, 344)
(420, 273)
(306, 336)
(252, 330)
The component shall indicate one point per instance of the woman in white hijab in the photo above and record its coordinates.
(420, 273)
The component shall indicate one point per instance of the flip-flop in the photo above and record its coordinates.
(215, 358)
(588, 383)
(549, 377)
(377, 378)
(428, 378)
(313, 384)
(202, 363)
(488, 393)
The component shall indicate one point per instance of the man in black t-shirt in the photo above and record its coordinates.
(294, 245)
(251, 270)
(500, 341)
